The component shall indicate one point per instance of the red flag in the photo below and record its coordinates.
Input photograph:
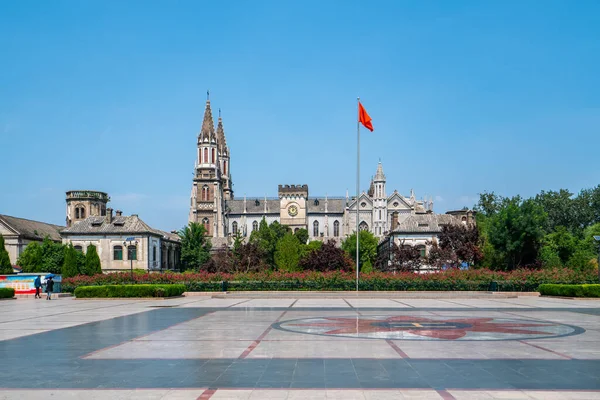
(364, 118)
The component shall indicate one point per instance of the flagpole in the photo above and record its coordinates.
(357, 184)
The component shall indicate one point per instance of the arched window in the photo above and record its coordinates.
(103, 210)
(118, 253)
(205, 193)
(76, 212)
(79, 248)
(154, 253)
(213, 159)
(316, 228)
(254, 226)
(225, 168)
(380, 215)
(82, 212)
(234, 228)
(363, 226)
(464, 220)
(336, 229)
(132, 252)
(206, 225)
(205, 155)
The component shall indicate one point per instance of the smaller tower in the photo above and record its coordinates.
(379, 202)
(85, 203)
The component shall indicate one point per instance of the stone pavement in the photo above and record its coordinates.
(300, 348)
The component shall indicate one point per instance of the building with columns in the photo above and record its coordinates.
(212, 201)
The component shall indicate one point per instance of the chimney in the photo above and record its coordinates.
(109, 215)
(119, 213)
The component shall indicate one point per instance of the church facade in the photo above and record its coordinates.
(212, 201)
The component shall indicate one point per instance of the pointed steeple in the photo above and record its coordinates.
(207, 132)
(222, 143)
(379, 176)
(371, 188)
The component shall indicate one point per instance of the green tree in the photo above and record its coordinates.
(582, 259)
(92, 261)
(47, 257)
(549, 257)
(5, 265)
(560, 208)
(195, 246)
(367, 249)
(278, 230)
(266, 240)
(306, 249)
(70, 267)
(562, 242)
(30, 260)
(287, 253)
(53, 255)
(516, 232)
(302, 235)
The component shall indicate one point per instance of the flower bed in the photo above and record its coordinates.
(570, 290)
(476, 279)
(7, 293)
(129, 291)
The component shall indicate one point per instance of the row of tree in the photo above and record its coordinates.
(552, 229)
(55, 258)
(274, 246)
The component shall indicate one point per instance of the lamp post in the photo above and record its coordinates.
(597, 239)
(129, 242)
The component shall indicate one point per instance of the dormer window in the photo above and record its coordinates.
(316, 202)
(256, 203)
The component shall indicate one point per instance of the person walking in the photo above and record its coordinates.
(38, 287)
(49, 287)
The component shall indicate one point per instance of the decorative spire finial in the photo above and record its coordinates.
(219, 112)
(207, 95)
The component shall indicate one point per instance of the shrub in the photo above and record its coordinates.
(570, 290)
(476, 279)
(7, 293)
(5, 265)
(130, 291)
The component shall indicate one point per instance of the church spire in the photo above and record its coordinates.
(221, 135)
(207, 132)
(379, 176)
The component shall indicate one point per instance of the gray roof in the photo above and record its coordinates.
(425, 223)
(33, 230)
(119, 225)
(334, 205)
(237, 206)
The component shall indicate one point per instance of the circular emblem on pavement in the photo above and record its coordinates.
(406, 327)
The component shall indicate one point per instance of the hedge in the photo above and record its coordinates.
(129, 291)
(7, 293)
(459, 280)
(570, 290)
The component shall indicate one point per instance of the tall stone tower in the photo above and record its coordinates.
(85, 203)
(293, 208)
(379, 203)
(212, 183)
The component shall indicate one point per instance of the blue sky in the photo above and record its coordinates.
(465, 96)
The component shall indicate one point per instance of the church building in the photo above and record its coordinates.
(212, 201)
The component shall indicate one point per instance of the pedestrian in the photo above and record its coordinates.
(49, 287)
(38, 287)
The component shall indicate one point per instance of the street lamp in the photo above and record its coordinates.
(130, 241)
(597, 239)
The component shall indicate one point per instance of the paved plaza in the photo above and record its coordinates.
(300, 348)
